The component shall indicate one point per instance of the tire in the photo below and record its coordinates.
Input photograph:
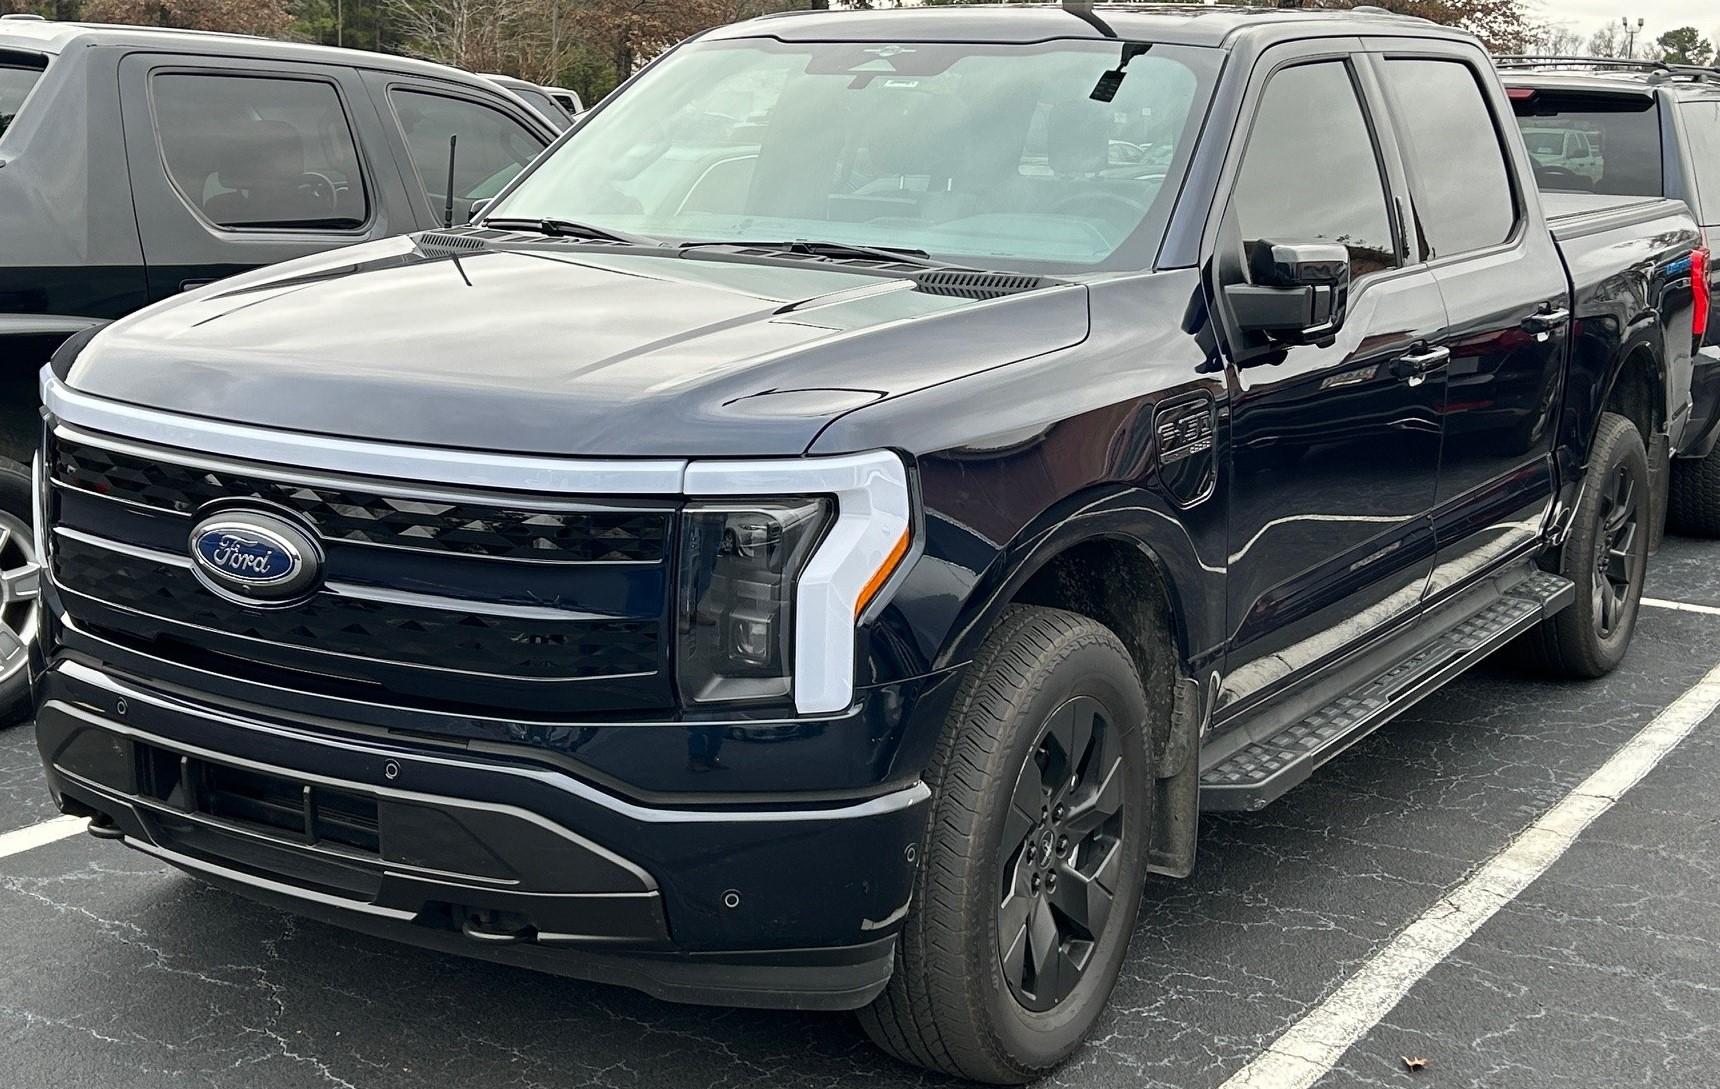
(1693, 503)
(1590, 638)
(952, 1004)
(18, 612)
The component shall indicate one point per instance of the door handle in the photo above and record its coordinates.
(1547, 320)
(1415, 365)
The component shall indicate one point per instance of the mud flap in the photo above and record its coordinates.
(1176, 787)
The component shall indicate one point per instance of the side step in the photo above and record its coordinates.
(1262, 770)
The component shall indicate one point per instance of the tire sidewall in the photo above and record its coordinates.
(1036, 1042)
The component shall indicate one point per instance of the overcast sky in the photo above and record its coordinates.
(1659, 16)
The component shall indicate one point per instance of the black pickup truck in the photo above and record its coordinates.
(825, 534)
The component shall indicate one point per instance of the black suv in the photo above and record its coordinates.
(138, 163)
(1638, 128)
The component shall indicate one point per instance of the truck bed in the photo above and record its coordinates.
(1575, 215)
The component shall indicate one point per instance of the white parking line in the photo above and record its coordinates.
(1313, 1045)
(1681, 606)
(40, 835)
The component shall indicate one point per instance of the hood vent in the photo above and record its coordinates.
(972, 284)
(444, 243)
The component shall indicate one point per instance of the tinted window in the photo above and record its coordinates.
(259, 152)
(1457, 164)
(1619, 145)
(1702, 134)
(15, 84)
(1312, 175)
(544, 104)
(492, 148)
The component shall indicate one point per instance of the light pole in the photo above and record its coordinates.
(1630, 34)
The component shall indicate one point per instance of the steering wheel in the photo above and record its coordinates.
(314, 187)
(1083, 203)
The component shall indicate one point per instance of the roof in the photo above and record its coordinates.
(48, 36)
(1606, 76)
(1190, 24)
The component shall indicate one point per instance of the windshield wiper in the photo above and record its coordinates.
(567, 228)
(897, 254)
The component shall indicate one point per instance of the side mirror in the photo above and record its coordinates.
(1298, 291)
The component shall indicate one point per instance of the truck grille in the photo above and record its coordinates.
(464, 600)
(343, 513)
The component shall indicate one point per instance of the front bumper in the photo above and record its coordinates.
(789, 907)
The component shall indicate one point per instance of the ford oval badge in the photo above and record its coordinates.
(255, 557)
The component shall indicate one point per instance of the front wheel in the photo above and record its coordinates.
(1033, 865)
(1606, 557)
(20, 589)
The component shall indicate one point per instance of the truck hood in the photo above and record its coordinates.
(561, 352)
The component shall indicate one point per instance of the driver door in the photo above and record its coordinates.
(233, 166)
(1334, 440)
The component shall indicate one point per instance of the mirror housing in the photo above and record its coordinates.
(1297, 291)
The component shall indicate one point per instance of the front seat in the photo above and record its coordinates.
(263, 168)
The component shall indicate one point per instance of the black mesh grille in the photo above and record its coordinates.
(351, 514)
(506, 646)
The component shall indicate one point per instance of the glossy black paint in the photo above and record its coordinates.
(1334, 500)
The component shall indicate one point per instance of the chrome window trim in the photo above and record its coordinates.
(433, 465)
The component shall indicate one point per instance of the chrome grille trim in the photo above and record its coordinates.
(352, 590)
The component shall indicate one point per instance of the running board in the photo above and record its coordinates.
(1261, 771)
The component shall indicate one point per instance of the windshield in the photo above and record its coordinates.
(15, 84)
(995, 155)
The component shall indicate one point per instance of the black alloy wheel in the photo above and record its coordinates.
(1615, 552)
(1062, 853)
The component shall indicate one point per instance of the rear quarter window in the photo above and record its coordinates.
(19, 73)
(1702, 134)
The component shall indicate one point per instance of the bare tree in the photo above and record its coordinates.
(1608, 41)
(234, 16)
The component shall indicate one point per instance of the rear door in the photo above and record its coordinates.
(234, 165)
(496, 140)
(1506, 301)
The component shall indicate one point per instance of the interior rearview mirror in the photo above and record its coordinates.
(1297, 291)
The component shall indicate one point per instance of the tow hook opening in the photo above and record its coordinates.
(495, 927)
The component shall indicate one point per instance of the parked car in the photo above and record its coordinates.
(1651, 130)
(1566, 155)
(538, 98)
(138, 163)
(826, 532)
(568, 100)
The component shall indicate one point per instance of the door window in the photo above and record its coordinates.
(491, 149)
(260, 152)
(1457, 161)
(1314, 175)
(18, 74)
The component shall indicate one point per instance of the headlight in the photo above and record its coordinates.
(739, 568)
(771, 591)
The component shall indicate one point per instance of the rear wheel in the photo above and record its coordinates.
(1693, 504)
(1033, 865)
(1606, 557)
(20, 591)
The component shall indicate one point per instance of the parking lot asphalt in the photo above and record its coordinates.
(115, 971)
